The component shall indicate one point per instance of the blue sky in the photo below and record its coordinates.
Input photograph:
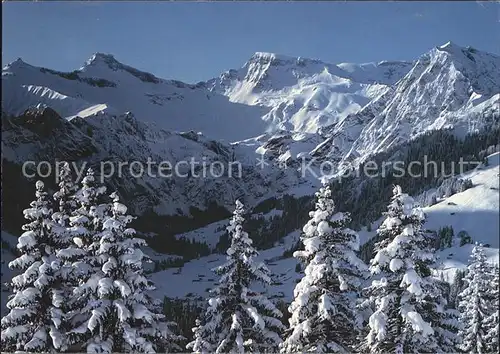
(194, 41)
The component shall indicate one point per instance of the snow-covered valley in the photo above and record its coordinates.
(475, 211)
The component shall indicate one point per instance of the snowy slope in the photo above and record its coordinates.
(475, 211)
(195, 278)
(209, 234)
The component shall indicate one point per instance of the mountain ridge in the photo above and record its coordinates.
(322, 116)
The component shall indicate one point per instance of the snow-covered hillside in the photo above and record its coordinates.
(195, 278)
(476, 211)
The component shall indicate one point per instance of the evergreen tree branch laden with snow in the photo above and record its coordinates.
(65, 197)
(323, 314)
(443, 318)
(199, 345)
(238, 318)
(66, 204)
(124, 317)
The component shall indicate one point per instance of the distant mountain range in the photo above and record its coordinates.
(355, 108)
(282, 108)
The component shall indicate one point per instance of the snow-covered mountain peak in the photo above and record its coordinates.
(258, 56)
(106, 66)
(480, 68)
(447, 87)
(103, 58)
(459, 53)
(105, 84)
(18, 61)
(365, 107)
(271, 72)
(305, 94)
(15, 65)
(274, 59)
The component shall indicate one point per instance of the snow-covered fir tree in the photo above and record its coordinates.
(65, 205)
(492, 322)
(476, 306)
(85, 224)
(409, 313)
(456, 287)
(125, 318)
(238, 318)
(323, 313)
(34, 317)
(443, 318)
(199, 345)
(112, 310)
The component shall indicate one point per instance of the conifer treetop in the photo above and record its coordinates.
(404, 282)
(323, 316)
(238, 318)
